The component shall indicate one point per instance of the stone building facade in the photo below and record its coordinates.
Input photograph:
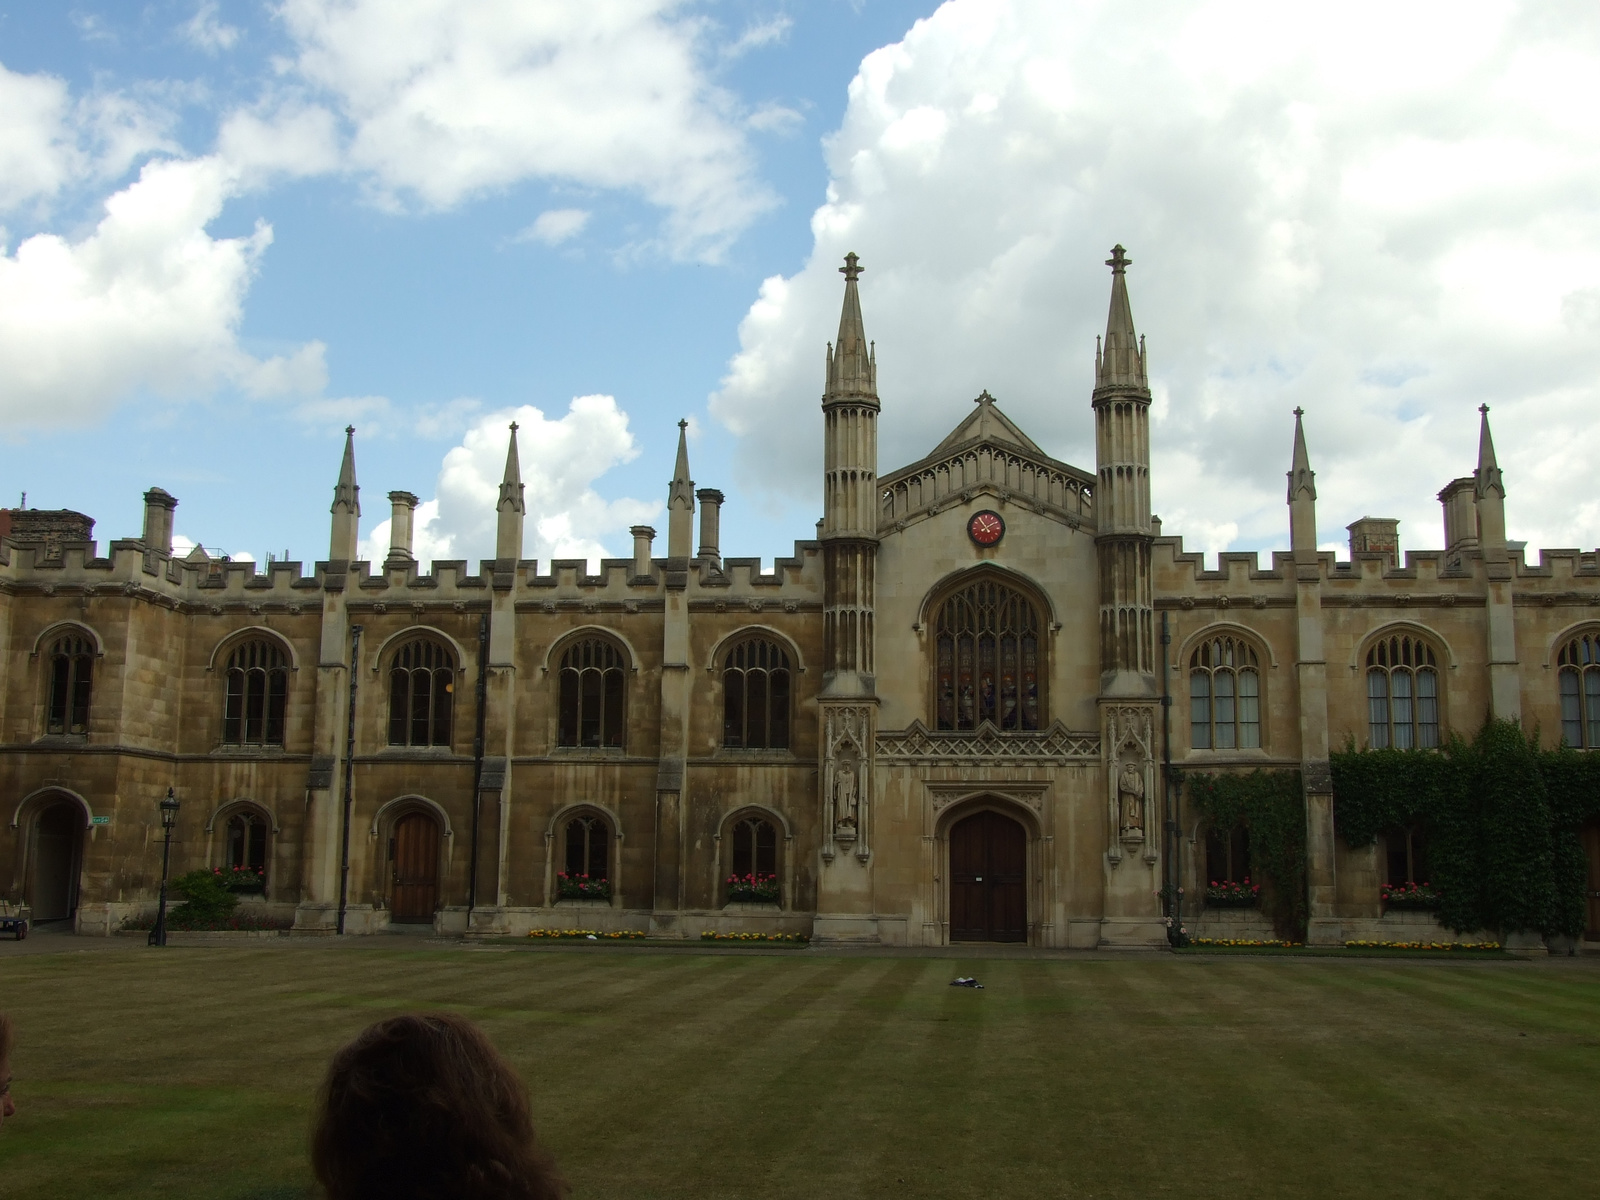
(946, 718)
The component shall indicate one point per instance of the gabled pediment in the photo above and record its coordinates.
(986, 423)
(987, 454)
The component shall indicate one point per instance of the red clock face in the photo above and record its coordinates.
(986, 528)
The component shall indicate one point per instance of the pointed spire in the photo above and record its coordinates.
(345, 526)
(345, 492)
(1487, 477)
(1302, 479)
(852, 366)
(680, 500)
(1120, 360)
(511, 485)
(682, 489)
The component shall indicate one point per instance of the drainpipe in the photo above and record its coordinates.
(477, 761)
(349, 774)
(1172, 875)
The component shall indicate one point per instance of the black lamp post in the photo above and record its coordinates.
(169, 818)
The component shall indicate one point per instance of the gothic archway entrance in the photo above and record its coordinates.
(414, 888)
(57, 860)
(988, 879)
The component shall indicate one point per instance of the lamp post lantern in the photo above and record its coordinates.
(169, 818)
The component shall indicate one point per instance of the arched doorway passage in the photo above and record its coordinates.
(414, 865)
(988, 879)
(57, 860)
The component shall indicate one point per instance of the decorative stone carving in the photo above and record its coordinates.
(1130, 795)
(1129, 742)
(847, 779)
(987, 744)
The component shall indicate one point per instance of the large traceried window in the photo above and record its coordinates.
(988, 665)
(1224, 696)
(71, 678)
(593, 684)
(257, 695)
(1579, 663)
(757, 683)
(1402, 694)
(422, 684)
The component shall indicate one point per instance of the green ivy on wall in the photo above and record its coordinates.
(1500, 815)
(1271, 806)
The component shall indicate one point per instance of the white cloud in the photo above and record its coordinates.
(758, 34)
(447, 101)
(49, 142)
(562, 460)
(206, 31)
(1387, 230)
(148, 300)
(555, 226)
(290, 136)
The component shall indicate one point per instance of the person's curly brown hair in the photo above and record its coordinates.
(423, 1107)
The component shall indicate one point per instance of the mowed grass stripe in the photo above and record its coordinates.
(189, 1073)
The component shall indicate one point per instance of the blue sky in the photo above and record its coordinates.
(232, 228)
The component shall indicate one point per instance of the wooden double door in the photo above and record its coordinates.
(414, 855)
(988, 879)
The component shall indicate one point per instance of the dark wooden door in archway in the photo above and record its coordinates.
(58, 848)
(988, 879)
(415, 891)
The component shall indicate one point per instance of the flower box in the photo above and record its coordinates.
(1416, 896)
(582, 887)
(1226, 893)
(753, 889)
(242, 879)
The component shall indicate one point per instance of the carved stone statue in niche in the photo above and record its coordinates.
(844, 795)
(1130, 794)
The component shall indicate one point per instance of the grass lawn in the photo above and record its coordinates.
(189, 1072)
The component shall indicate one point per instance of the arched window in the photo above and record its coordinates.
(1227, 855)
(593, 674)
(1580, 691)
(422, 684)
(987, 662)
(1224, 696)
(755, 696)
(754, 878)
(71, 675)
(1402, 694)
(247, 850)
(258, 694)
(1405, 853)
(589, 847)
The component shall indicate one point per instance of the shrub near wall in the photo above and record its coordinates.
(1501, 817)
(1271, 805)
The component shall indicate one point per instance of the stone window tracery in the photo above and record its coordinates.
(757, 685)
(593, 691)
(71, 682)
(755, 848)
(257, 694)
(1579, 663)
(247, 843)
(1224, 696)
(1227, 855)
(988, 664)
(1402, 694)
(588, 849)
(422, 684)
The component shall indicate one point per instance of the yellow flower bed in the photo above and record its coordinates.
(1422, 946)
(623, 935)
(1243, 942)
(711, 936)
